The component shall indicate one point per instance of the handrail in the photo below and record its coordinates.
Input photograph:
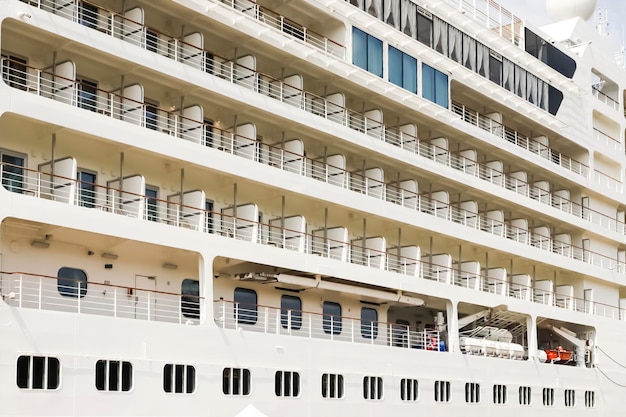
(44, 292)
(608, 100)
(173, 123)
(45, 185)
(503, 132)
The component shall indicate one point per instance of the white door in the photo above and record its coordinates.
(145, 297)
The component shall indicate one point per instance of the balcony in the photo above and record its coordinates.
(48, 293)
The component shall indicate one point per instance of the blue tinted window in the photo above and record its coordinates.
(435, 86)
(290, 312)
(331, 321)
(245, 306)
(367, 52)
(71, 282)
(190, 298)
(395, 66)
(369, 323)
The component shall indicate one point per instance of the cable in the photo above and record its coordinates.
(607, 377)
(608, 356)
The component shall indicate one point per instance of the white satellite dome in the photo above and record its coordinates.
(567, 9)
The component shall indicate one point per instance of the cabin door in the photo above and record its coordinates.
(145, 297)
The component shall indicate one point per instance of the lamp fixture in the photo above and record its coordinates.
(43, 244)
(168, 265)
(107, 255)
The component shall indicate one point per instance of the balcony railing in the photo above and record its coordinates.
(119, 26)
(609, 101)
(42, 292)
(273, 19)
(503, 132)
(258, 318)
(168, 212)
(607, 140)
(607, 181)
(174, 124)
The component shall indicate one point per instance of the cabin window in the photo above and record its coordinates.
(499, 394)
(331, 320)
(180, 379)
(548, 397)
(208, 219)
(72, 282)
(287, 384)
(87, 95)
(425, 29)
(472, 393)
(434, 85)
(442, 391)
(114, 375)
(332, 386)
(372, 388)
(369, 323)
(495, 68)
(13, 172)
(88, 15)
(525, 396)
(570, 398)
(245, 306)
(236, 381)
(152, 41)
(15, 72)
(367, 52)
(409, 389)
(190, 298)
(590, 399)
(151, 112)
(402, 70)
(38, 372)
(290, 312)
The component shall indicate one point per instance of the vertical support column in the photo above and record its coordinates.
(531, 336)
(452, 318)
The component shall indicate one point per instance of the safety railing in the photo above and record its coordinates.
(503, 132)
(608, 181)
(117, 25)
(177, 125)
(42, 292)
(606, 99)
(169, 212)
(607, 140)
(271, 320)
(287, 26)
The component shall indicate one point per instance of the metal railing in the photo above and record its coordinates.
(40, 292)
(117, 25)
(609, 101)
(252, 9)
(503, 132)
(607, 140)
(168, 212)
(271, 320)
(608, 181)
(174, 124)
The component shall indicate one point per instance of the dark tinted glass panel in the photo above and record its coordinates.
(424, 30)
(245, 306)
(23, 371)
(71, 282)
(369, 323)
(290, 312)
(54, 373)
(190, 298)
(331, 320)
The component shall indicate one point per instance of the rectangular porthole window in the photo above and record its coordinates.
(38, 372)
(236, 381)
(331, 319)
(434, 86)
(402, 70)
(442, 391)
(409, 389)
(180, 379)
(72, 282)
(570, 398)
(369, 323)
(287, 384)
(290, 312)
(548, 397)
(367, 52)
(525, 395)
(190, 298)
(332, 386)
(372, 388)
(499, 394)
(472, 393)
(114, 375)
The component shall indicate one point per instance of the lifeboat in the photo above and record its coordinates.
(559, 355)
